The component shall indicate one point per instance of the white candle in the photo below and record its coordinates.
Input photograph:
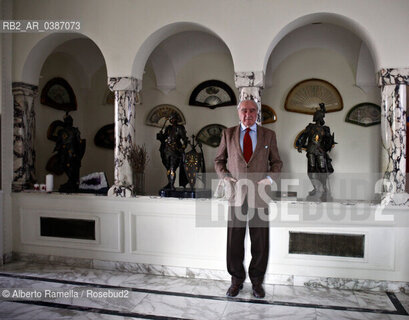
(49, 182)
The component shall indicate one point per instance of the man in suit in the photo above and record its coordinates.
(247, 152)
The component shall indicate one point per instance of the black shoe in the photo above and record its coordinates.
(258, 291)
(234, 290)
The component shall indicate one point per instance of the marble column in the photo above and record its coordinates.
(126, 97)
(250, 85)
(23, 136)
(393, 124)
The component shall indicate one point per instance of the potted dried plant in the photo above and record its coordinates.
(138, 160)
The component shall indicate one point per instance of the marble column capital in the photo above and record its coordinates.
(124, 84)
(250, 93)
(393, 76)
(249, 79)
(25, 89)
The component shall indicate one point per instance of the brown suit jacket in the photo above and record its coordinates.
(264, 161)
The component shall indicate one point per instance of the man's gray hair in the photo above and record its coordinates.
(254, 101)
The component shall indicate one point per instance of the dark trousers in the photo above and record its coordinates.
(259, 237)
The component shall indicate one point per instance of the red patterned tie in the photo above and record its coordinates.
(247, 146)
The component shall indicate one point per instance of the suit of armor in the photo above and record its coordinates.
(70, 149)
(318, 142)
(173, 143)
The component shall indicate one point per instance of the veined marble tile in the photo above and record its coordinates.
(95, 276)
(287, 280)
(323, 314)
(140, 268)
(161, 283)
(212, 288)
(247, 292)
(404, 300)
(321, 296)
(183, 307)
(54, 260)
(374, 300)
(82, 315)
(208, 274)
(20, 311)
(40, 270)
(120, 299)
(13, 285)
(104, 264)
(69, 273)
(167, 271)
(340, 283)
(249, 311)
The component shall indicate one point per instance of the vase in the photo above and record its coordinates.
(138, 183)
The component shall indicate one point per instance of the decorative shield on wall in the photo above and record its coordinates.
(212, 94)
(211, 134)
(158, 115)
(105, 137)
(364, 114)
(296, 142)
(268, 115)
(306, 96)
(58, 94)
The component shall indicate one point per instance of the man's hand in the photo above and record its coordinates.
(229, 187)
(230, 179)
(265, 181)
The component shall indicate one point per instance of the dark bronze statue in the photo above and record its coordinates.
(173, 142)
(70, 149)
(318, 142)
(194, 162)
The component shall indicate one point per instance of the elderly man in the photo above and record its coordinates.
(248, 152)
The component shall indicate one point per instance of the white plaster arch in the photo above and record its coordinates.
(164, 70)
(170, 56)
(155, 38)
(323, 17)
(41, 49)
(83, 81)
(365, 77)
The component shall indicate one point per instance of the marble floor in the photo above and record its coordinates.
(35, 291)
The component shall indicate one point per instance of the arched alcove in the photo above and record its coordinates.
(323, 18)
(79, 61)
(327, 47)
(175, 66)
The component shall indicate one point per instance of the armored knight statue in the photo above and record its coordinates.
(173, 141)
(318, 142)
(70, 149)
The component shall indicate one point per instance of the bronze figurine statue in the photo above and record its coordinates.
(318, 142)
(194, 162)
(70, 149)
(173, 142)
